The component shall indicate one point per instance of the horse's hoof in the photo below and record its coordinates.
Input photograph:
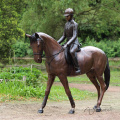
(71, 111)
(40, 111)
(98, 109)
(95, 107)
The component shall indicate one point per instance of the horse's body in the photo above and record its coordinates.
(92, 61)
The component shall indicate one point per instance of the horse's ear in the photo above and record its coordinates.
(36, 35)
(28, 35)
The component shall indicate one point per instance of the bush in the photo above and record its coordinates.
(111, 48)
(22, 49)
(34, 78)
(16, 88)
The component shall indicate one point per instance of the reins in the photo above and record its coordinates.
(41, 54)
(54, 54)
(61, 50)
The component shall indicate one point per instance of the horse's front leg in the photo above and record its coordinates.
(64, 81)
(49, 84)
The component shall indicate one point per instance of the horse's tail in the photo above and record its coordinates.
(107, 74)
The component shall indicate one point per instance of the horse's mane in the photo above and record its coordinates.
(44, 34)
(47, 36)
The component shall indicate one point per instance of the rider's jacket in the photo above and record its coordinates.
(70, 33)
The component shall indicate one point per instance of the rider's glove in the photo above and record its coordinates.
(65, 46)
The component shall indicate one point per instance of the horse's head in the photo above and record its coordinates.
(36, 42)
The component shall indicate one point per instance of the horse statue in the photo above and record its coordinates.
(92, 61)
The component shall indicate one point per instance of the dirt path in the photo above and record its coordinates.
(59, 110)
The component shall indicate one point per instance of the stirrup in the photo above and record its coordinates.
(78, 71)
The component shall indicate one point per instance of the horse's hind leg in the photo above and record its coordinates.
(64, 82)
(49, 84)
(91, 76)
(103, 89)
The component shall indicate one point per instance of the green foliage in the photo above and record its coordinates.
(22, 49)
(34, 77)
(15, 90)
(34, 87)
(111, 48)
(10, 13)
(96, 19)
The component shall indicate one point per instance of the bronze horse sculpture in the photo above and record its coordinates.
(92, 61)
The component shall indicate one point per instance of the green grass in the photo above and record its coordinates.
(114, 63)
(115, 78)
(15, 90)
(58, 94)
(78, 79)
(83, 79)
(10, 91)
(18, 91)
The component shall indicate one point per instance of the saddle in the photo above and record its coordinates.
(68, 56)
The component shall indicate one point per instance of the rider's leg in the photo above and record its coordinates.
(74, 57)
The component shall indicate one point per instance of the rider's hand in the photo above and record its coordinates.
(65, 46)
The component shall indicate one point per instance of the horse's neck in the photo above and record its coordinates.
(51, 47)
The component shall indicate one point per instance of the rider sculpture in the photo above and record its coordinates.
(70, 33)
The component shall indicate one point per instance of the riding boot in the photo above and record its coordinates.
(76, 64)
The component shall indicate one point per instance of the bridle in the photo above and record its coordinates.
(40, 41)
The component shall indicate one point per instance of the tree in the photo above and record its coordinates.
(102, 20)
(10, 13)
(97, 19)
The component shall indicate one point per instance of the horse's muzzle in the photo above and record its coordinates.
(39, 60)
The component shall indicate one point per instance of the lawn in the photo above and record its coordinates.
(16, 90)
(19, 91)
(114, 79)
(34, 86)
